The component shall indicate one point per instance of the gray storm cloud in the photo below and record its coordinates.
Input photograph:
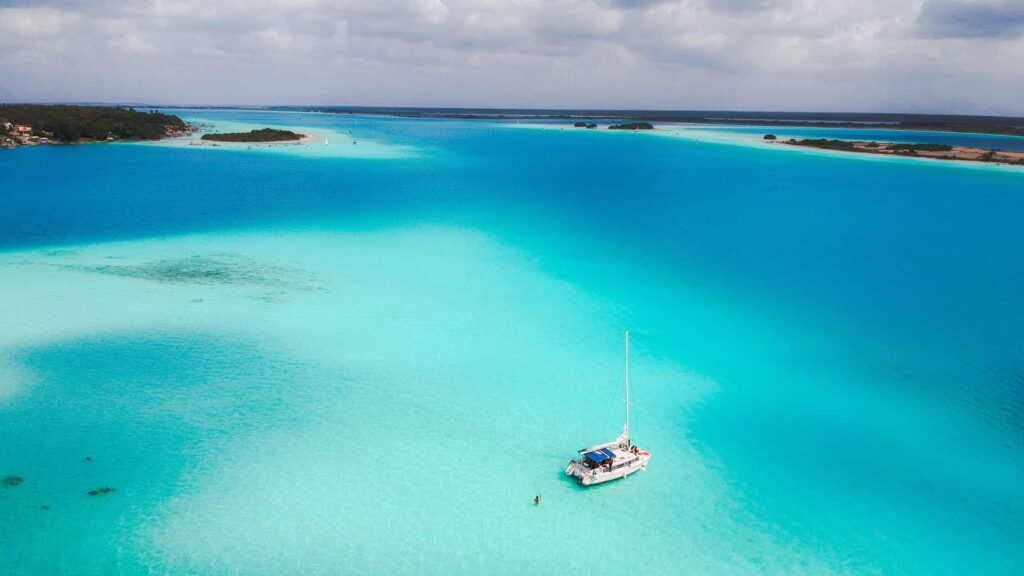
(923, 55)
(972, 19)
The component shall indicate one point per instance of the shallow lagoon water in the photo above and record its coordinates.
(322, 139)
(289, 364)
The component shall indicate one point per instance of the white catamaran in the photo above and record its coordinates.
(612, 460)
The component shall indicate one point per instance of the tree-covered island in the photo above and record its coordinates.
(262, 135)
(632, 126)
(22, 124)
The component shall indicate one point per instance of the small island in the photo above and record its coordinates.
(923, 150)
(632, 126)
(263, 136)
(585, 125)
(31, 124)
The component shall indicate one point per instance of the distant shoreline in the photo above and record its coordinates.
(1012, 126)
(1009, 126)
(39, 124)
(989, 125)
(931, 151)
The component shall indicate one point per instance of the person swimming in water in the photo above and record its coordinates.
(536, 499)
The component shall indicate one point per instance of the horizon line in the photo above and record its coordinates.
(557, 109)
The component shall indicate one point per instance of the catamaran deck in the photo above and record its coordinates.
(607, 462)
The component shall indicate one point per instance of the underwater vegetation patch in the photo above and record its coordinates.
(61, 252)
(103, 491)
(222, 269)
(12, 481)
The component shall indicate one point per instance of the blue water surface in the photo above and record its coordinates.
(862, 323)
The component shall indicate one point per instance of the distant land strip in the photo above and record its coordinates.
(924, 150)
(1000, 125)
(997, 125)
(31, 124)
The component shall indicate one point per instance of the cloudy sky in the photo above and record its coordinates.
(844, 55)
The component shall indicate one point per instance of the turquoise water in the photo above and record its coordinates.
(323, 361)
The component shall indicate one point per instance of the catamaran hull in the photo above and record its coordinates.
(587, 477)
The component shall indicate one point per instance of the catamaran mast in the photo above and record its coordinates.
(626, 431)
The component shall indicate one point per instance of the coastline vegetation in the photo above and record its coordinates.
(923, 150)
(632, 126)
(921, 147)
(825, 143)
(854, 146)
(68, 123)
(261, 135)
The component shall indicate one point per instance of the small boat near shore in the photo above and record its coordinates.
(612, 460)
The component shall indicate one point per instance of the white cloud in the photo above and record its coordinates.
(752, 54)
(34, 24)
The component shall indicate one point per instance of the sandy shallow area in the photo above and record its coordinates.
(319, 142)
(969, 157)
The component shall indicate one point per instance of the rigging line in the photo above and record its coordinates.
(612, 406)
(632, 405)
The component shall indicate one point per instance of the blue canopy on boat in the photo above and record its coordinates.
(599, 455)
